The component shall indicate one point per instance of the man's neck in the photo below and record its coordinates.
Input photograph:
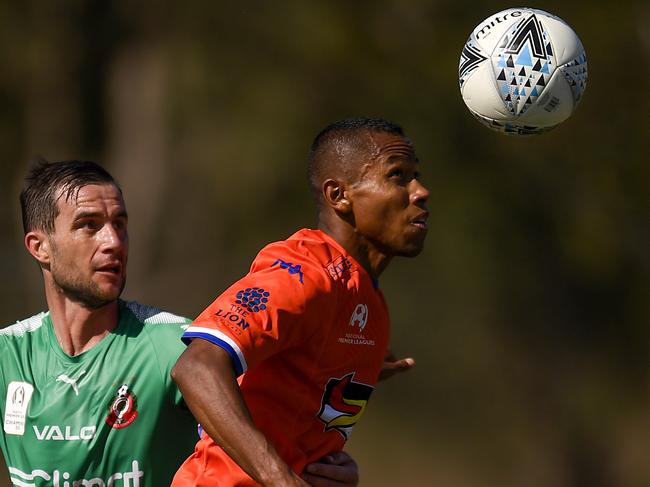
(79, 328)
(371, 259)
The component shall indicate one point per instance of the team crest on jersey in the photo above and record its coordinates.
(122, 410)
(343, 403)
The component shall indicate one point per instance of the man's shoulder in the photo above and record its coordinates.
(313, 250)
(153, 321)
(24, 327)
(305, 247)
(151, 315)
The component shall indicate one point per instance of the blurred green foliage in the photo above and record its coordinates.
(528, 312)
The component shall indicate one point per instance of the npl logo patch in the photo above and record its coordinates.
(359, 316)
(19, 394)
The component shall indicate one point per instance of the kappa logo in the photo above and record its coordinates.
(71, 382)
(122, 410)
(293, 269)
(359, 316)
(343, 403)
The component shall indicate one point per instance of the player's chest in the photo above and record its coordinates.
(357, 336)
(360, 326)
(69, 404)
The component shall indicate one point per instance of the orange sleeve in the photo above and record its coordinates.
(277, 305)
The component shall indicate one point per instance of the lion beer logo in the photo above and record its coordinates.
(122, 410)
(343, 403)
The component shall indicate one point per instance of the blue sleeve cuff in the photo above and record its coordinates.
(221, 340)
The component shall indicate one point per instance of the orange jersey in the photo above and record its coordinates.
(307, 329)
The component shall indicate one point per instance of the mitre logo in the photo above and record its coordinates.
(343, 403)
(359, 316)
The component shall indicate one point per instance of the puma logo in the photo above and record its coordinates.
(70, 381)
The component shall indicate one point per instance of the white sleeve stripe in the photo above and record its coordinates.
(192, 330)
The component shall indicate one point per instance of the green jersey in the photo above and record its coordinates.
(109, 417)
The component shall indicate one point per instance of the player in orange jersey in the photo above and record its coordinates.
(305, 332)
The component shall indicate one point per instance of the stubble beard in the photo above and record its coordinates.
(87, 294)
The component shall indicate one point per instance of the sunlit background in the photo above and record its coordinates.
(528, 312)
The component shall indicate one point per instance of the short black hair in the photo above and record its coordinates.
(39, 196)
(343, 132)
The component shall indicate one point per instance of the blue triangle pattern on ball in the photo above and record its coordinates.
(525, 52)
(525, 57)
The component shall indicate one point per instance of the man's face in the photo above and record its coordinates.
(388, 201)
(89, 245)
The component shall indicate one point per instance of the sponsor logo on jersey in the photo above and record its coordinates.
(359, 316)
(19, 394)
(74, 383)
(339, 268)
(122, 410)
(293, 269)
(343, 403)
(233, 317)
(59, 478)
(64, 433)
(253, 299)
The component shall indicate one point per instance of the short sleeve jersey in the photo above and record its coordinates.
(110, 416)
(307, 330)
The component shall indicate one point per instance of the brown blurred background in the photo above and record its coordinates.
(529, 310)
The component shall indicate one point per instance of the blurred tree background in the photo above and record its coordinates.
(529, 310)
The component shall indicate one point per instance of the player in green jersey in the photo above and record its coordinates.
(86, 397)
(109, 412)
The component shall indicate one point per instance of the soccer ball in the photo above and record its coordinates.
(522, 71)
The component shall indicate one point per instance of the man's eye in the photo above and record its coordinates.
(396, 173)
(90, 225)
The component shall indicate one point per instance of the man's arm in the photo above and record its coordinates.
(205, 378)
(4, 476)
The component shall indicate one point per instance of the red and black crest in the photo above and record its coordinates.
(343, 404)
(122, 410)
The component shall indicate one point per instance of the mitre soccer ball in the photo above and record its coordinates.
(522, 71)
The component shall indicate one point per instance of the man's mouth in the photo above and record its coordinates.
(420, 221)
(112, 268)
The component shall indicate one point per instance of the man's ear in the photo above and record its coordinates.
(38, 245)
(336, 196)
